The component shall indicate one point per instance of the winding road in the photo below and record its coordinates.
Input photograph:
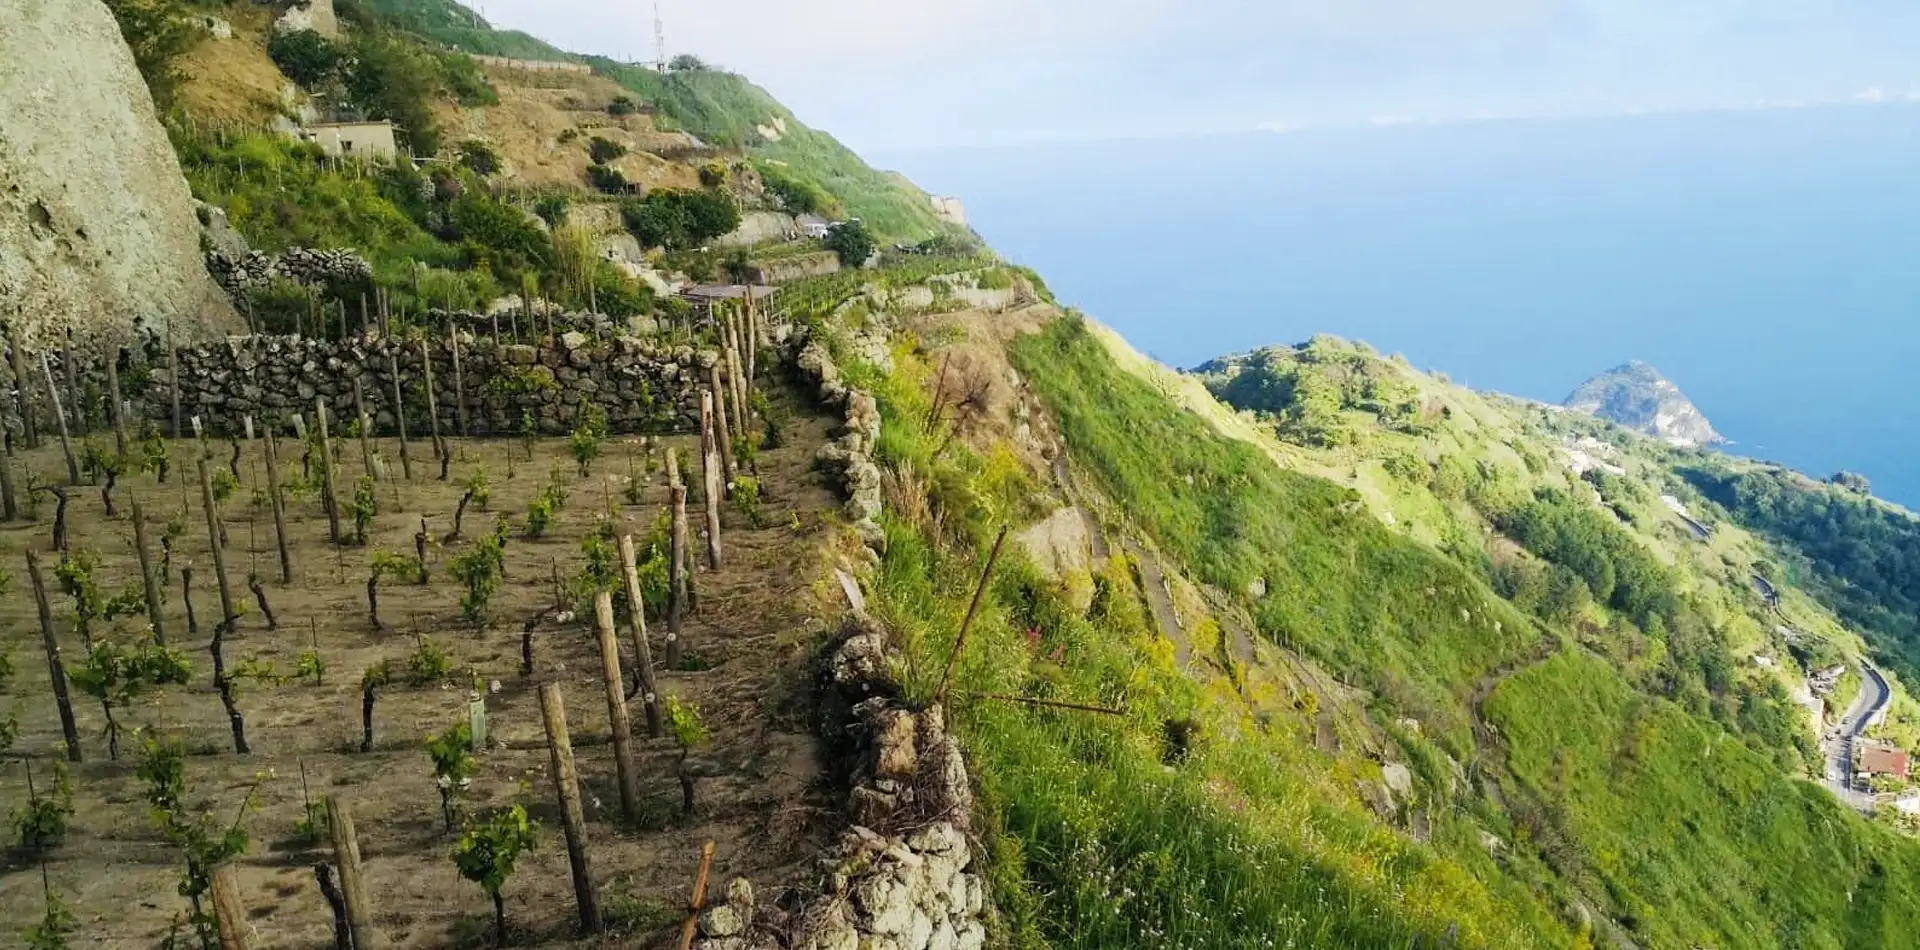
(1837, 743)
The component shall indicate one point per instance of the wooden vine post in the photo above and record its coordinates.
(621, 726)
(9, 504)
(227, 614)
(676, 560)
(566, 787)
(346, 859)
(710, 464)
(56, 671)
(328, 501)
(979, 593)
(400, 415)
(60, 416)
(229, 914)
(118, 408)
(642, 653)
(459, 383)
(149, 579)
(737, 380)
(699, 901)
(366, 428)
(278, 503)
(722, 434)
(433, 411)
(23, 391)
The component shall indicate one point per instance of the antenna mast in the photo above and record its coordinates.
(659, 39)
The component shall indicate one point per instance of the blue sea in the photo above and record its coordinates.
(1767, 261)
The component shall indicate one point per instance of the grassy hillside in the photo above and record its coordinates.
(721, 108)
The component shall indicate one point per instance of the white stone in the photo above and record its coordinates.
(887, 903)
(919, 932)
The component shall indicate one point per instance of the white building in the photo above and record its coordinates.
(352, 139)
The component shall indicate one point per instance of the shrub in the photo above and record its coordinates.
(713, 175)
(587, 438)
(428, 664)
(687, 63)
(42, 821)
(479, 157)
(306, 57)
(603, 151)
(453, 766)
(487, 853)
(481, 570)
(622, 105)
(607, 180)
(551, 209)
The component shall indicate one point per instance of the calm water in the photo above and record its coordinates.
(1768, 262)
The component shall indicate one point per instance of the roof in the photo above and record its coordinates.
(1882, 759)
(349, 125)
(728, 291)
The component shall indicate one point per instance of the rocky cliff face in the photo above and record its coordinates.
(97, 228)
(1637, 396)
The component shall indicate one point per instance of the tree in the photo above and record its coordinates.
(306, 57)
(397, 80)
(486, 855)
(687, 63)
(679, 220)
(851, 242)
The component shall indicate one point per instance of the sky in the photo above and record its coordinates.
(907, 74)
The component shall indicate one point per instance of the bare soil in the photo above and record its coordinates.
(762, 797)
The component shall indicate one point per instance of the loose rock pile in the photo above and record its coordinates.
(239, 274)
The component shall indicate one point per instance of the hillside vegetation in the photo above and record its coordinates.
(1371, 660)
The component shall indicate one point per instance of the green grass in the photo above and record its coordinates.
(1698, 840)
(1096, 839)
(1398, 616)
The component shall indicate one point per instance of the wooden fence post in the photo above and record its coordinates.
(56, 671)
(149, 581)
(213, 537)
(622, 727)
(642, 653)
(279, 505)
(330, 502)
(566, 786)
(699, 901)
(710, 467)
(346, 858)
(676, 559)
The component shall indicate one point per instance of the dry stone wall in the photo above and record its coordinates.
(904, 875)
(640, 385)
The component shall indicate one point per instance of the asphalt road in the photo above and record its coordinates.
(1837, 743)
